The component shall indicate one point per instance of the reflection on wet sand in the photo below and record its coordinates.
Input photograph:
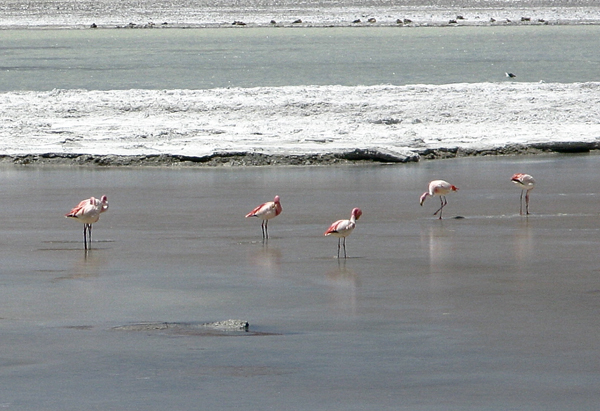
(87, 265)
(343, 283)
(438, 240)
(523, 241)
(266, 258)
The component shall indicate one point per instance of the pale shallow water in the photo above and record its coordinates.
(490, 312)
(272, 57)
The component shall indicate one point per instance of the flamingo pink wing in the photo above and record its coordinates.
(257, 210)
(517, 177)
(78, 208)
(339, 226)
(333, 228)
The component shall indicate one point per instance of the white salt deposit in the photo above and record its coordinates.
(298, 120)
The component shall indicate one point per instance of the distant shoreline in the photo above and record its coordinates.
(240, 159)
(239, 25)
(145, 14)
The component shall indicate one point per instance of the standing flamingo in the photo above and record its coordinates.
(343, 228)
(526, 183)
(88, 212)
(265, 212)
(438, 188)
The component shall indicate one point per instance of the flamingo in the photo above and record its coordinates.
(343, 228)
(88, 212)
(265, 212)
(438, 188)
(525, 183)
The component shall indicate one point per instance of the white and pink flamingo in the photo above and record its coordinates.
(88, 212)
(438, 188)
(265, 212)
(526, 183)
(343, 228)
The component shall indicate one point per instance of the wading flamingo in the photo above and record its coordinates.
(265, 212)
(88, 212)
(526, 183)
(343, 228)
(438, 188)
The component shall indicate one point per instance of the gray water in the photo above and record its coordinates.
(492, 311)
(268, 57)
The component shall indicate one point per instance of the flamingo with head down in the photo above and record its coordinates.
(438, 188)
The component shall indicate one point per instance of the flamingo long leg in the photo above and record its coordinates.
(85, 236)
(521, 203)
(443, 203)
(265, 229)
(527, 202)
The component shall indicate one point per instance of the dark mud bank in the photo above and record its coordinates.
(243, 159)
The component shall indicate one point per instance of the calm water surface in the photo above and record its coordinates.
(494, 311)
(257, 57)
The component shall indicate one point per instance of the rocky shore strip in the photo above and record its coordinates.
(243, 159)
(145, 14)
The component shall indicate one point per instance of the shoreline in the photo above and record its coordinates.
(255, 159)
(523, 21)
(299, 125)
(130, 14)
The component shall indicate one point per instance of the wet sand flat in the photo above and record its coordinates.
(492, 311)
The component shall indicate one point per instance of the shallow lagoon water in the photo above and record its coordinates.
(490, 312)
(273, 57)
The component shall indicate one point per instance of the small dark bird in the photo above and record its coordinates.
(510, 75)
